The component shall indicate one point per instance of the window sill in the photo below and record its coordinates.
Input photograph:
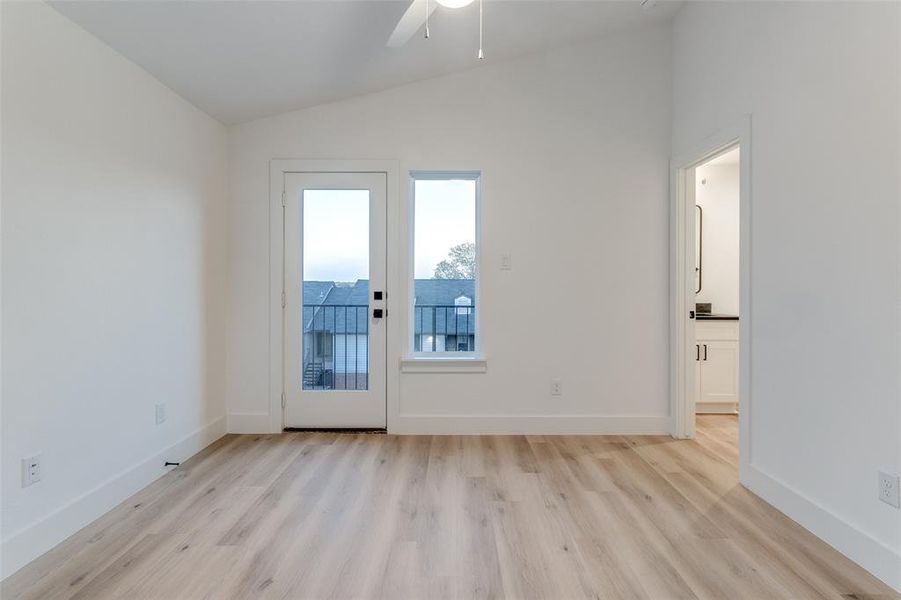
(443, 364)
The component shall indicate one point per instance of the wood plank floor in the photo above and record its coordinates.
(320, 515)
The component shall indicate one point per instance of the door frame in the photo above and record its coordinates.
(277, 170)
(682, 218)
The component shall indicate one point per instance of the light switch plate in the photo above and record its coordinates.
(506, 262)
(31, 470)
(160, 413)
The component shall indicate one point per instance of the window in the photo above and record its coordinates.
(445, 264)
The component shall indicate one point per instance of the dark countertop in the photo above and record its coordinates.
(715, 317)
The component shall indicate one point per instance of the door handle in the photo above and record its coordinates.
(705, 352)
(378, 313)
(691, 314)
(697, 352)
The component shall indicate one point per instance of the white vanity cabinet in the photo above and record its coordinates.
(716, 363)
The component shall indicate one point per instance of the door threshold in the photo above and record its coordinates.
(349, 430)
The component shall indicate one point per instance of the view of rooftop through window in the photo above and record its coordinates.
(444, 258)
(336, 278)
(335, 289)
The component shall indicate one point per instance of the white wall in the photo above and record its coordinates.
(716, 192)
(113, 248)
(821, 83)
(573, 146)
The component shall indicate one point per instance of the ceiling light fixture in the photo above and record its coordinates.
(454, 3)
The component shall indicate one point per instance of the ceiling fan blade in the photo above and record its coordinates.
(410, 23)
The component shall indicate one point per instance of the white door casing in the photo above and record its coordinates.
(682, 250)
(318, 406)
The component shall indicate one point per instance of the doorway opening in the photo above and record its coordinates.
(710, 318)
(716, 302)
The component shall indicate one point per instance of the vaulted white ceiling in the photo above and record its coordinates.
(242, 60)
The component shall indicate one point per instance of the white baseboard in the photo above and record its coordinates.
(27, 544)
(530, 424)
(416, 424)
(248, 422)
(866, 551)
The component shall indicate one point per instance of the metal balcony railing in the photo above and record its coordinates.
(336, 340)
(444, 328)
(336, 347)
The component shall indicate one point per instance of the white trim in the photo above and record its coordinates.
(27, 544)
(681, 276)
(414, 424)
(257, 422)
(681, 332)
(439, 175)
(445, 174)
(868, 552)
(443, 364)
(396, 293)
(277, 169)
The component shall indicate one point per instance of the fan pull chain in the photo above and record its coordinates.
(481, 54)
(426, 19)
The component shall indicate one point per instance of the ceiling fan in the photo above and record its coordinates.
(419, 11)
(417, 15)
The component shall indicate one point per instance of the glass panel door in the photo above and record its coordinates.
(334, 299)
(335, 289)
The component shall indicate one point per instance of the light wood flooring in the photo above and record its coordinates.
(324, 515)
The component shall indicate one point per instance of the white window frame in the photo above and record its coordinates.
(459, 361)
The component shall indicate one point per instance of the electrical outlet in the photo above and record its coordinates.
(506, 262)
(160, 413)
(31, 470)
(556, 387)
(888, 489)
